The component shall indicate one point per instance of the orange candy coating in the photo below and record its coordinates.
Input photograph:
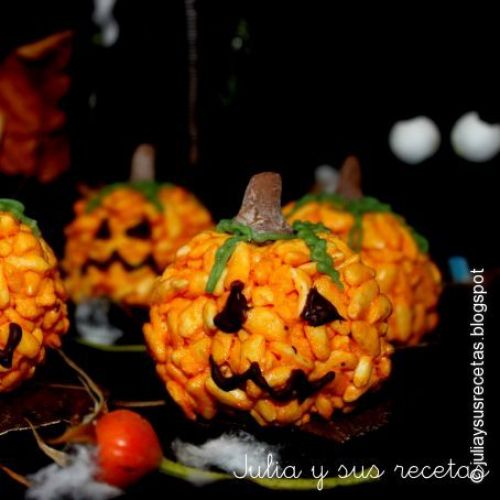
(404, 273)
(277, 278)
(32, 296)
(128, 282)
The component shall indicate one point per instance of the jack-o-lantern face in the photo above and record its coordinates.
(32, 309)
(259, 318)
(388, 245)
(123, 238)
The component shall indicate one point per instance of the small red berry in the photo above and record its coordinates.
(128, 447)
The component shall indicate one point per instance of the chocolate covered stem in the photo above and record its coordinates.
(261, 207)
(143, 164)
(350, 179)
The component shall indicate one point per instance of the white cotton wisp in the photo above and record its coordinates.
(92, 322)
(75, 481)
(233, 453)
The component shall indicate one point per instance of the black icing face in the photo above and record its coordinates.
(103, 233)
(7, 353)
(140, 231)
(318, 310)
(104, 265)
(296, 387)
(232, 317)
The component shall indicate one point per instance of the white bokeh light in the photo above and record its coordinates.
(103, 17)
(474, 139)
(414, 140)
(327, 178)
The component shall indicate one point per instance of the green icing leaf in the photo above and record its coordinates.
(303, 230)
(240, 232)
(16, 208)
(421, 241)
(231, 227)
(222, 255)
(149, 189)
(355, 236)
(334, 199)
(358, 208)
(248, 234)
(307, 231)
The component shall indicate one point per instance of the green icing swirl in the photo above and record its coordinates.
(305, 231)
(16, 208)
(358, 208)
(248, 234)
(149, 189)
(222, 255)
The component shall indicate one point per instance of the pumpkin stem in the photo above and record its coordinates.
(143, 163)
(261, 206)
(350, 179)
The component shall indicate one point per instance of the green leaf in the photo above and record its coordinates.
(302, 230)
(318, 248)
(149, 189)
(222, 255)
(358, 208)
(16, 208)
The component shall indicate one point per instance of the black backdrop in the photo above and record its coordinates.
(316, 82)
(320, 81)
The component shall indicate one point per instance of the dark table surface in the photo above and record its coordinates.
(428, 399)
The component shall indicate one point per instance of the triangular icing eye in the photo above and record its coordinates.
(232, 317)
(141, 231)
(103, 233)
(318, 310)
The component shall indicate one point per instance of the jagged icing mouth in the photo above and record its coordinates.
(296, 387)
(104, 265)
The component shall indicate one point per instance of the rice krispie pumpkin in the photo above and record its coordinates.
(257, 316)
(387, 244)
(124, 235)
(33, 313)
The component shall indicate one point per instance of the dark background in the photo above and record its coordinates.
(316, 81)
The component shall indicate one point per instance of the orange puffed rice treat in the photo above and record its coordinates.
(399, 256)
(33, 313)
(123, 237)
(263, 319)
